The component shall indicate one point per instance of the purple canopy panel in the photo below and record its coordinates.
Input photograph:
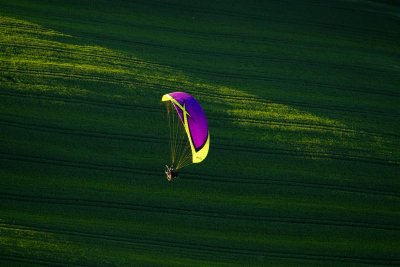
(197, 121)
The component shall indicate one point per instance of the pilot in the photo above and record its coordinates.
(170, 172)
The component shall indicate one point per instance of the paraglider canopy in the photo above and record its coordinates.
(189, 135)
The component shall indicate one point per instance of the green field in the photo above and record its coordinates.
(303, 103)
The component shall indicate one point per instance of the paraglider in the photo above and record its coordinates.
(189, 135)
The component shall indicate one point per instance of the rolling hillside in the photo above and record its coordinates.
(302, 99)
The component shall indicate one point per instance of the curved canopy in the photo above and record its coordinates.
(194, 122)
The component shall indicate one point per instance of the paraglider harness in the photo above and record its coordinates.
(170, 172)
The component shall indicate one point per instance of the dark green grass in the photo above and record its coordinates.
(303, 106)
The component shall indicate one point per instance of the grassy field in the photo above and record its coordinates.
(303, 104)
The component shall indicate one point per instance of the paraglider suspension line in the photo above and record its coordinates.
(180, 147)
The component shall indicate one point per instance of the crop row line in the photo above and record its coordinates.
(171, 67)
(330, 107)
(190, 176)
(301, 125)
(93, 78)
(263, 77)
(270, 122)
(237, 147)
(139, 243)
(234, 14)
(151, 139)
(97, 78)
(84, 35)
(79, 100)
(130, 24)
(207, 248)
(240, 15)
(139, 63)
(310, 153)
(20, 259)
(194, 212)
(256, 99)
